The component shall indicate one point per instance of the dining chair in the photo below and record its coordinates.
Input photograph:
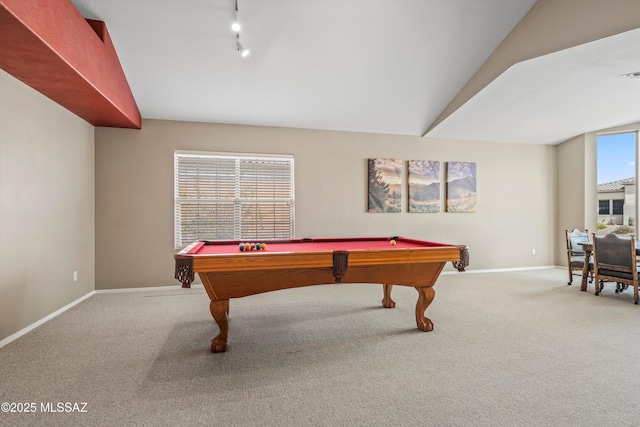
(615, 261)
(575, 252)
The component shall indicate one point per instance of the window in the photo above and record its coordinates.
(603, 207)
(239, 197)
(618, 207)
(616, 179)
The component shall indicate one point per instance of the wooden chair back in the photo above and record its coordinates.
(614, 254)
(573, 239)
(575, 252)
(615, 261)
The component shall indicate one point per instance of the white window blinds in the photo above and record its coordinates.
(242, 197)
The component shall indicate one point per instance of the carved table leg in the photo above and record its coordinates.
(387, 302)
(425, 296)
(585, 271)
(220, 311)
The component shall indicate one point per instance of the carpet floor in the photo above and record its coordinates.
(507, 349)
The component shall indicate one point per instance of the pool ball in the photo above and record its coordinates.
(392, 242)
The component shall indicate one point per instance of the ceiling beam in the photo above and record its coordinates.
(48, 45)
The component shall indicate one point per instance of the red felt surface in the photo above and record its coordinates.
(318, 245)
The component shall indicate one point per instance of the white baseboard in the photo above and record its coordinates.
(45, 319)
(501, 270)
(155, 288)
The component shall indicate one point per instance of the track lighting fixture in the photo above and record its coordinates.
(243, 50)
(235, 26)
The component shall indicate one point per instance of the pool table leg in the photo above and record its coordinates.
(425, 296)
(387, 302)
(220, 312)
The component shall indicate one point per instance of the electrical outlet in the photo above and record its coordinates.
(533, 251)
(75, 276)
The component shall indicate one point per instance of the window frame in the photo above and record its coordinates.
(238, 202)
(617, 203)
(601, 203)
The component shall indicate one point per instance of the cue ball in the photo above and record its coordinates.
(392, 242)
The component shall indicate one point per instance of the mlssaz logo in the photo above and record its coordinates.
(63, 407)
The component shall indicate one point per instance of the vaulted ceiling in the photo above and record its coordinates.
(496, 70)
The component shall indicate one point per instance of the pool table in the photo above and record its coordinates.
(226, 272)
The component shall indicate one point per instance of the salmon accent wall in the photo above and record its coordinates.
(48, 45)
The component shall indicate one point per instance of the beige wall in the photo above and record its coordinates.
(134, 194)
(571, 191)
(46, 206)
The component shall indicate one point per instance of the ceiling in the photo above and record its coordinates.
(381, 66)
(549, 99)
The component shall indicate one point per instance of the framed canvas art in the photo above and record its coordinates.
(385, 185)
(461, 187)
(424, 185)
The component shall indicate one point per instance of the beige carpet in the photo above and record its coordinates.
(508, 349)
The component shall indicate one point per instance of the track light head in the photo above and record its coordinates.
(243, 50)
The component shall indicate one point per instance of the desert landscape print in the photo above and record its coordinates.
(461, 187)
(424, 185)
(385, 185)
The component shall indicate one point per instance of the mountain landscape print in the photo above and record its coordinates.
(424, 186)
(385, 185)
(461, 187)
